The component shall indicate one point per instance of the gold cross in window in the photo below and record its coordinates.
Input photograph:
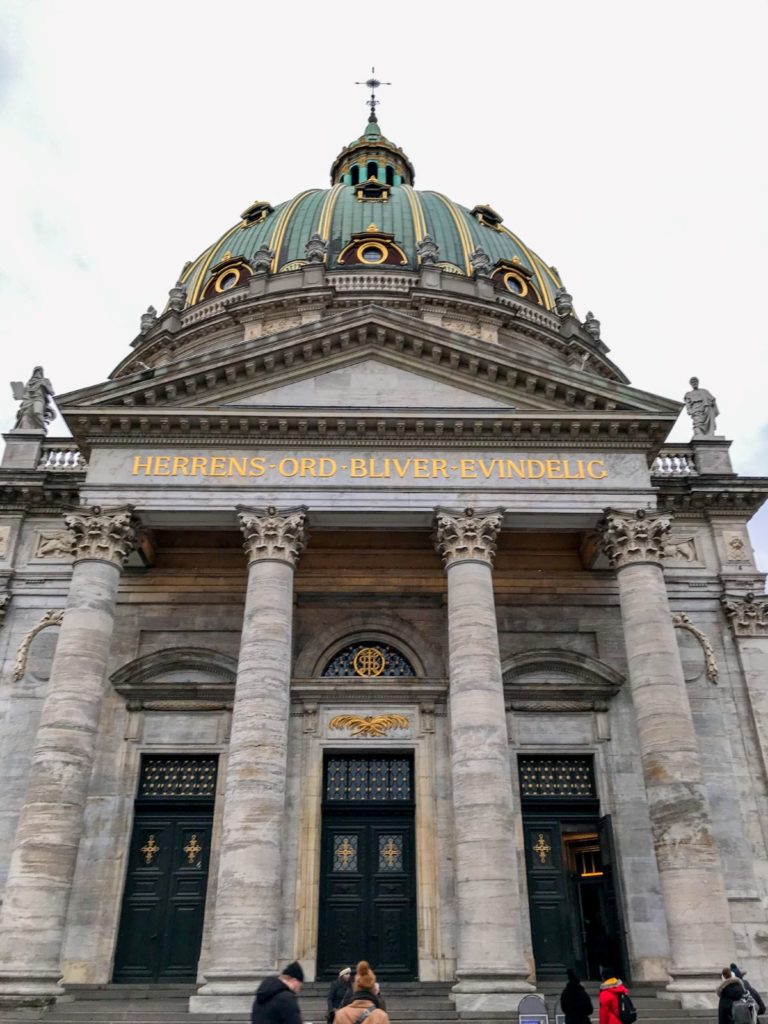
(390, 852)
(345, 852)
(149, 849)
(192, 849)
(542, 848)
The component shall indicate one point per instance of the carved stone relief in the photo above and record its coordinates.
(747, 616)
(52, 544)
(472, 330)
(283, 323)
(54, 617)
(5, 539)
(681, 549)
(736, 546)
(681, 621)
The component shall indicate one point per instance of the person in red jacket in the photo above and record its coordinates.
(609, 998)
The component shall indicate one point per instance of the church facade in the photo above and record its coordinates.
(367, 614)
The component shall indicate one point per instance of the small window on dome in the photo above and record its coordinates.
(227, 280)
(355, 175)
(390, 175)
(373, 169)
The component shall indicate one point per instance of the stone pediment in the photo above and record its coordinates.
(441, 373)
(369, 384)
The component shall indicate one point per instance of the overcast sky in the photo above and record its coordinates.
(624, 142)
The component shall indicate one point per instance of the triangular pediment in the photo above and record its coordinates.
(369, 384)
(377, 363)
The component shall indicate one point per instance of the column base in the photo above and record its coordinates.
(32, 988)
(489, 992)
(694, 990)
(227, 993)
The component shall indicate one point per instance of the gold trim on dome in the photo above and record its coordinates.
(369, 725)
(284, 219)
(464, 236)
(327, 211)
(417, 212)
(207, 264)
(546, 295)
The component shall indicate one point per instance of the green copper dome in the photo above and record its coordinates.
(371, 193)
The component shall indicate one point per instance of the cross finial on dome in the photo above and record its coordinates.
(373, 84)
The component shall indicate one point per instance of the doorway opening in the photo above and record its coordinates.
(368, 866)
(161, 922)
(575, 911)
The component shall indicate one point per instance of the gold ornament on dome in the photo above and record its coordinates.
(369, 661)
(369, 725)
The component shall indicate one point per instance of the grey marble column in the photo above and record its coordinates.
(50, 825)
(248, 908)
(491, 966)
(696, 907)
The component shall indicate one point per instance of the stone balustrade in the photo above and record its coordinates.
(62, 457)
(678, 461)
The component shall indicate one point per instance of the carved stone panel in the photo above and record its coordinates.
(53, 544)
(736, 546)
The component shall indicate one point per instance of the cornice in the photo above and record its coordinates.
(711, 496)
(481, 429)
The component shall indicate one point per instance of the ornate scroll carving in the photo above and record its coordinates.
(269, 533)
(460, 536)
(681, 621)
(748, 616)
(369, 725)
(54, 617)
(637, 536)
(108, 534)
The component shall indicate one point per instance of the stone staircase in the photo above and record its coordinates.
(412, 1003)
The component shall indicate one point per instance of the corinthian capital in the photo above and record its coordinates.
(748, 615)
(106, 534)
(273, 534)
(637, 536)
(467, 536)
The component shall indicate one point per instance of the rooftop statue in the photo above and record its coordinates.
(480, 262)
(563, 302)
(177, 297)
(147, 320)
(262, 258)
(592, 326)
(36, 396)
(427, 250)
(315, 249)
(702, 408)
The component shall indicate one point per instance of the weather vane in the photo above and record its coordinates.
(373, 84)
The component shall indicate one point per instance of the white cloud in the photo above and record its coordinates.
(621, 141)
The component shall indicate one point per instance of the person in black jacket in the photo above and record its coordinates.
(340, 991)
(276, 1001)
(730, 990)
(575, 1002)
(737, 972)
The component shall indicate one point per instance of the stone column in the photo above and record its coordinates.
(50, 825)
(696, 907)
(248, 908)
(491, 968)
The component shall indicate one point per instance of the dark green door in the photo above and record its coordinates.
(368, 867)
(552, 922)
(161, 923)
(368, 895)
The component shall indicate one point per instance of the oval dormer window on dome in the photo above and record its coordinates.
(230, 272)
(516, 279)
(372, 248)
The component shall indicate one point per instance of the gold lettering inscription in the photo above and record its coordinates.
(369, 467)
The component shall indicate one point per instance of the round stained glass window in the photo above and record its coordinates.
(227, 280)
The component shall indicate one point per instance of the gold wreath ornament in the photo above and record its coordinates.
(369, 725)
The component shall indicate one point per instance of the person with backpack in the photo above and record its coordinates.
(575, 1002)
(737, 972)
(615, 1005)
(365, 1007)
(736, 1006)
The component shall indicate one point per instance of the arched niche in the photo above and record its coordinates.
(181, 673)
(424, 656)
(556, 680)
